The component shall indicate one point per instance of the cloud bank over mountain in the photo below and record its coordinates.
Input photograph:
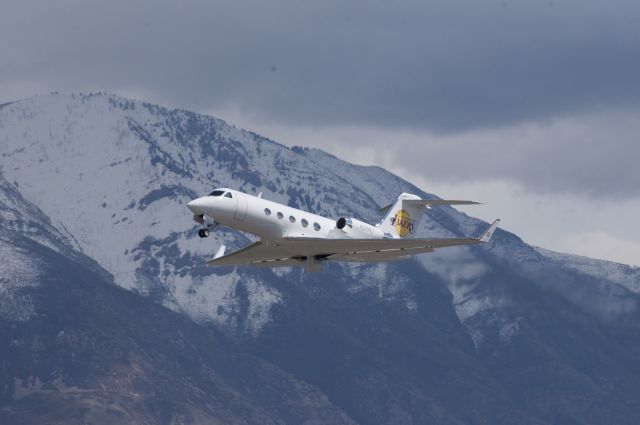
(438, 65)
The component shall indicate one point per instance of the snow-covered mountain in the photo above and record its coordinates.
(525, 335)
(622, 274)
(75, 348)
(115, 174)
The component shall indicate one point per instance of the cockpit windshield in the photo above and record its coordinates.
(217, 193)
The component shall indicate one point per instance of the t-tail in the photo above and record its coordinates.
(403, 218)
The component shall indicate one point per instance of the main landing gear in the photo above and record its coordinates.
(203, 233)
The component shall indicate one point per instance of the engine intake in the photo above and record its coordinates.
(343, 222)
(358, 229)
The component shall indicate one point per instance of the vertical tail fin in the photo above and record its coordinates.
(402, 218)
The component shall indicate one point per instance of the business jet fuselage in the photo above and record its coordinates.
(293, 237)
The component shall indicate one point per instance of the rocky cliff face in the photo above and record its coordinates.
(503, 333)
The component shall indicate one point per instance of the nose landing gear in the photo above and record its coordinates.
(209, 225)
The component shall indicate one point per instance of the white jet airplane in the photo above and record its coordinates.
(292, 237)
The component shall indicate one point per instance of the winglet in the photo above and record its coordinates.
(486, 236)
(220, 252)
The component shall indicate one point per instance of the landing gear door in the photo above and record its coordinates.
(241, 210)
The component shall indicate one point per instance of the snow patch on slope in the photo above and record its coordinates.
(261, 299)
(460, 269)
(17, 271)
(118, 173)
(622, 274)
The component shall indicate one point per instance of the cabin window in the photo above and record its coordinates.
(280, 215)
(217, 193)
(304, 222)
(292, 219)
(228, 195)
(316, 226)
(267, 211)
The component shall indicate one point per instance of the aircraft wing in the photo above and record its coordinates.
(256, 253)
(292, 250)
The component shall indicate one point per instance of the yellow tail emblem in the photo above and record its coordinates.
(403, 223)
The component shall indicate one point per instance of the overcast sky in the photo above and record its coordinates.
(530, 106)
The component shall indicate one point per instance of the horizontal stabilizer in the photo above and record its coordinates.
(430, 202)
(436, 202)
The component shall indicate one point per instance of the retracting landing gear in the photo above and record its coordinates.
(209, 225)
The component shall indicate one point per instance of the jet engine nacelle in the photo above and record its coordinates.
(357, 229)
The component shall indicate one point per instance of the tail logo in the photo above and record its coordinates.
(403, 223)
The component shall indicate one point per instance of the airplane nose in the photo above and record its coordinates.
(196, 206)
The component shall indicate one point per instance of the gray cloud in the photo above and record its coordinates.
(594, 154)
(541, 93)
(440, 65)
